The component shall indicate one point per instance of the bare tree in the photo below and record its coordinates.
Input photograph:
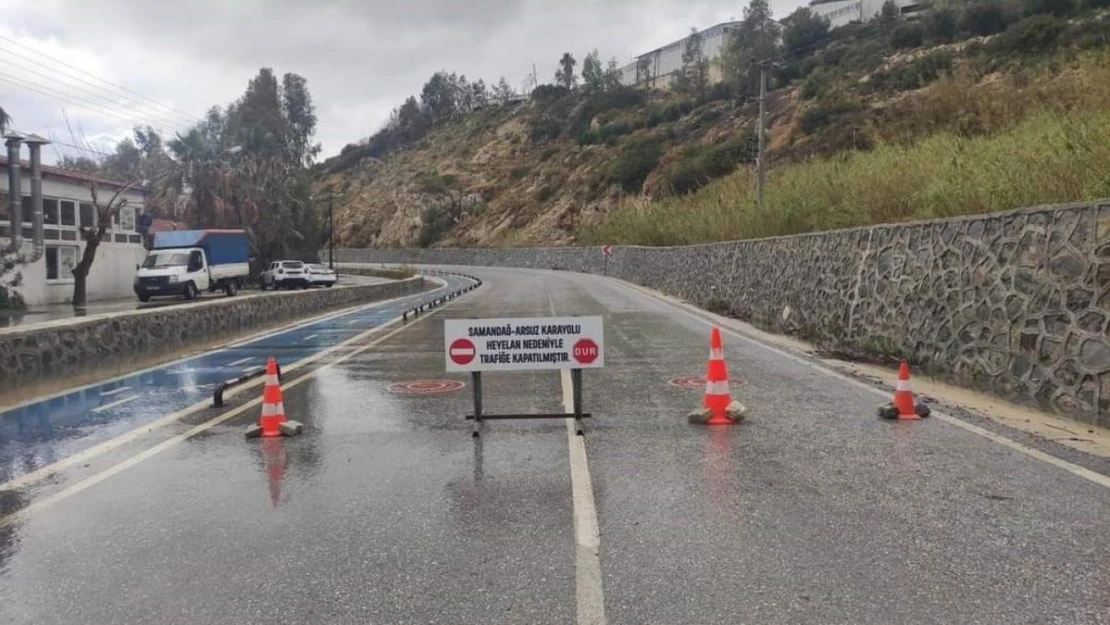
(105, 214)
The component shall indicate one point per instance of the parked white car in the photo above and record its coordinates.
(285, 274)
(321, 275)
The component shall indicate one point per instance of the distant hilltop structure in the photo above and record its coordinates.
(664, 63)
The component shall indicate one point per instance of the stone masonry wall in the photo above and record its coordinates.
(78, 347)
(1015, 303)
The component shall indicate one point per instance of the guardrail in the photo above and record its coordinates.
(218, 396)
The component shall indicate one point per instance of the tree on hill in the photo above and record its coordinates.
(479, 94)
(438, 98)
(612, 76)
(593, 77)
(693, 78)
(755, 39)
(643, 72)
(802, 30)
(503, 92)
(565, 74)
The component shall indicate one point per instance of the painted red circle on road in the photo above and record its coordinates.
(462, 351)
(688, 381)
(423, 387)
(585, 351)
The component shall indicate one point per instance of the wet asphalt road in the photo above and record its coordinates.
(385, 511)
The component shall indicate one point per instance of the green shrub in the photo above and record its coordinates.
(544, 128)
(1038, 33)
(432, 182)
(824, 113)
(518, 172)
(1096, 4)
(701, 164)
(719, 91)
(665, 113)
(815, 85)
(549, 93)
(545, 193)
(907, 36)
(915, 74)
(984, 18)
(435, 223)
(11, 300)
(635, 161)
(941, 26)
(1059, 8)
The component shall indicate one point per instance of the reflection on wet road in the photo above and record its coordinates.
(386, 511)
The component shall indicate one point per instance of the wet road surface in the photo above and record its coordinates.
(386, 511)
(43, 431)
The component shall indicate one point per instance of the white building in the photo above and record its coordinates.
(843, 12)
(665, 62)
(67, 206)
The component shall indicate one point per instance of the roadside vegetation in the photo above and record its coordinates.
(894, 119)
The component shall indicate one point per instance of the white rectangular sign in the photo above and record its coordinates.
(524, 344)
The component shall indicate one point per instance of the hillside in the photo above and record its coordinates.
(870, 123)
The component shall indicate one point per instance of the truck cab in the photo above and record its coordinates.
(172, 272)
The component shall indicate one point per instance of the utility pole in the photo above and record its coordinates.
(331, 232)
(759, 164)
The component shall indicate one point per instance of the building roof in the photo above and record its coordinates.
(72, 175)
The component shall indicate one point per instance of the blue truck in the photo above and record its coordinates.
(184, 263)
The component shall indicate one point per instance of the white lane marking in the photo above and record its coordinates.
(1075, 469)
(240, 361)
(309, 338)
(118, 402)
(354, 321)
(250, 338)
(170, 442)
(590, 598)
(114, 391)
(588, 594)
(249, 369)
(121, 440)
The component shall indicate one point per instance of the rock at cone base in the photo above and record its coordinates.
(291, 428)
(253, 431)
(888, 411)
(923, 410)
(701, 415)
(736, 410)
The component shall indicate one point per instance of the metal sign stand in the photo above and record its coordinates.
(576, 393)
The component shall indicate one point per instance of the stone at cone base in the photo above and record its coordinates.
(888, 411)
(701, 415)
(291, 428)
(736, 410)
(923, 410)
(253, 431)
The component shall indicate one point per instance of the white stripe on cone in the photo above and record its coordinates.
(271, 379)
(716, 354)
(716, 388)
(903, 385)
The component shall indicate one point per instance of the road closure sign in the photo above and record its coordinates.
(524, 344)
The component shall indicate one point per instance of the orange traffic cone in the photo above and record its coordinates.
(272, 422)
(273, 408)
(903, 396)
(718, 408)
(903, 408)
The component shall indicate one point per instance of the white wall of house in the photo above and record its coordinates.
(667, 61)
(844, 12)
(67, 205)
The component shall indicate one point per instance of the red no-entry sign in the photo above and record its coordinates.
(462, 351)
(586, 351)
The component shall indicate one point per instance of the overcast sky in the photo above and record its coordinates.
(360, 57)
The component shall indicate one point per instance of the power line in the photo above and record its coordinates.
(70, 145)
(107, 82)
(73, 100)
(110, 101)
